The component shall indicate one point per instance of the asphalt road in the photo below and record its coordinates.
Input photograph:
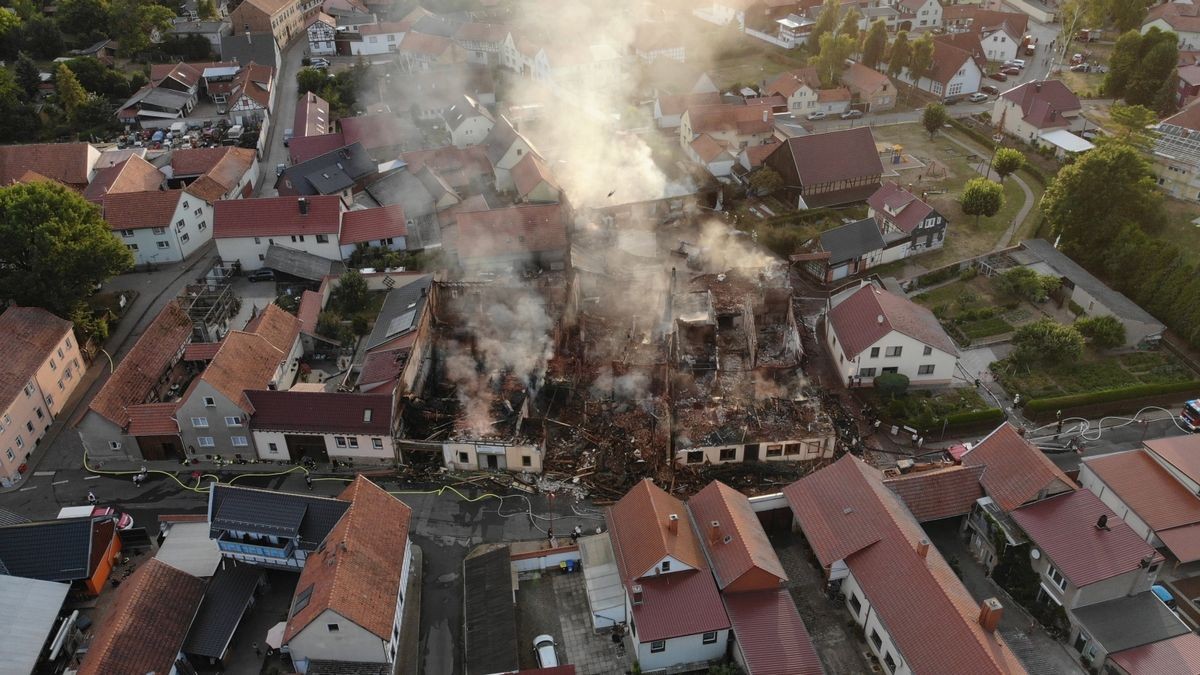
(282, 117)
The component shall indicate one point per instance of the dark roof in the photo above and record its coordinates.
(50, 550)
(331, 172)
(318, 667)
(770, 633)
(852, 241)
(270, 512)
(1131, 621)
(10, 518)
(300, 263)
(225, 601)
(320, 411)
(401, 311)
(832, 156)
(1115, 302)
(490, 638)
(246, 49)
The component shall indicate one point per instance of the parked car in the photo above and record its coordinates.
(1011, 70)
(279, 169)
(977, 97)
(1163, 594)
(319, 64)
(989, 90)
(287, 137)
(818, 115)
(999, 77)
(263, 274)
(1018, 63)
(852, 114)
(543, 647)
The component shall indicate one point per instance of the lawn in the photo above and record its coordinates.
(1095, 372)
(971, 309)
(1180, 228)
(964, 238)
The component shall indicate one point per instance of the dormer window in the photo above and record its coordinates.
(665, 566)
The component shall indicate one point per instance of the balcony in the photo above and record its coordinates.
(245, 545)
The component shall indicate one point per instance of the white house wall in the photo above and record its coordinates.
(366, 449)
(819, 447)
(1187, 41)
(471, 132)
(251, 251)
(350, 642)
(910, 359)
(682, 650)
(869, 621)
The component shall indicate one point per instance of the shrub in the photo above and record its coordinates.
(891, 385)
(1105, 332)
(1046, 341)
(1109, 395)
(990, 415)
(350, 294)
(1024, 283)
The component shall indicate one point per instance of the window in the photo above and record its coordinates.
(353, 441)
(928, 351)
(791, 449)
(9, 453)
(665, 566)
(876, 640)
(20, 442)
(29, 426)
(695, 456)
(239, 441)
(333, 627)
(179, 224)
(7, 420)
(339, 441)
(126, 233)
(114, 445)
(185, 237)
(526, 460)
(257, 241)
(53, 365)
(1056, 578)
(462, 458)
(158, 230)
(49, 400)
(60, 384)
(866, 372)
(272, 448)
(60, 351)
(855, 604)
(377, 443)
(889, 662)
(955, 89)
(210, 402)
(205, 441)
(925, 370)
(874, 352)
(658, 646)
(386, 242)
(163, 244)
(69, 374)
(893, 351)
(39, 415)
(322, 239)
(774, 450)
(261, 257)
(197, 212)
(200, 422)
(74, 362)
(233, 421)
(29, 389)
(185, 203)
(709, 638)
(728, 454)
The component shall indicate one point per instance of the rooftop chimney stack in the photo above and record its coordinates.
(714, 531)
(673, 523)
(990, 612)
(637, 594)
(303, 202)
(1102, 522)
(879, 319)
(766, 115)
(923, 548)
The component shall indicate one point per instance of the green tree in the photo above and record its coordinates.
(1134, 124)
(54, 246)
(311, 79)
(835, 49)
(1154, 69)
(94, 117)
(21, 121)
(1026, 284)
(70, 93)
(132, 22)
(766, 181)
(88, 324)
(1092, 200)
(1007, 161)
(934, 117)
(42, 37)
(1122, 63)
(849, 25)
(207, 9)
(87, 20)
(99, 78)
(921, 59)
(1142, 67)
(891, 385)
(1046, 342)
(875, 44)
(1104, 332)
(360, 325)
(827, 21)
(351, 293)
(10, 33)
(329, 324)
(1127, 14)
(28, 76)
(901, 51)
(981, 197)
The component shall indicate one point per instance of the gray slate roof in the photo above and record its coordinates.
(300, 263)
(51, 550)
(332, 172)
(317, 667)
(1116, 302)
(225, 600)
(394, 320)
(256, 48)
(852, 240)
(1130, 622)
(10, 518)
(491, 622)
(275, 513)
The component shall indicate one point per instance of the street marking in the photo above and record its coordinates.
(60, 482)
(43, 473)
(91, 477)
(27, 489)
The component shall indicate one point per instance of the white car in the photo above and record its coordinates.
(319, 64)
(818, 115)
(543, 647)
(977, 97)
(1019, 63)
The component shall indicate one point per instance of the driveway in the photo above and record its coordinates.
(282, 117)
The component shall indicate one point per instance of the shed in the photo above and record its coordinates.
(37, 604)
(490, 615)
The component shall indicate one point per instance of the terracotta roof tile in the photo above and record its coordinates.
(201, 351)
(196, 161)
(1181, 452)
(138, 210)
(1147, 488)
(708, 148)
(302, 149)
(365, 225)
(31, 335)
(310, 310)
(1181, 17)
(743, 119)
(373, 131)
(382, 366)
(1177, 656)
(320, 412)
(245, 361)
(132, 175)
(146, 627)
(275, 326)
(792, 81)
(457, 166)
(137, 373)
(1064, 527)
(864, 80)
(941, 493)
(424, 44)
(771, 635)
(855, 321)
(757, 154)
(952, 52)
(64, 162)
(1017, 472)
(153, 419)
(356, 571)
(640, 523)
(530, 172)
(517, 229)
(832, 156)
(1043, 103)
(747, 548)
(312, 118)
(276, 216)
(847, 513)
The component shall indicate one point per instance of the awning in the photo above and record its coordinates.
(1183, 542)
(274, 638)
(606, 596)
(1069, 142)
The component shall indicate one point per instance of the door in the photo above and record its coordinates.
(493, 462)
(840, 272)
(300, 446)
(751, 453)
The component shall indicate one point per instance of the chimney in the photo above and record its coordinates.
(990, 612)
(714, 531)
(1037, 86)
(673, 523)
(637, 594)
(923, 548)
(879, 319)
(766, 115)
(1102, 522)
(303, 202)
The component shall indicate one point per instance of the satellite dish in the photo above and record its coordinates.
(1035, 554)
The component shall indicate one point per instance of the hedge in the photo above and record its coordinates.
(976, 136)
(1108, 395)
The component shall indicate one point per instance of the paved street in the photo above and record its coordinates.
(282, 117)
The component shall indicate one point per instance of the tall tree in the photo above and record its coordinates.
(207, 9)
(934, 117)
(1092, 200)
(921, 59)
(1122, 63)
(981, 197)
(1046, 341)
(42, 37)
(54, 246)
(1127, 14)
(1154, 68)
(901, 51)
(83, 18)
(70, 93)
(28, 75)
(311, 79)
(835, 49)
(20, 121)
(874, 44)
(133, 22)
(826, 22)
(10, 33)
(1007, 161)
(1133, 124)
(850, 24)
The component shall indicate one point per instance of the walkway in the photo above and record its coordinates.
(1022, 214)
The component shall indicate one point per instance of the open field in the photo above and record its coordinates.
(1096, 372)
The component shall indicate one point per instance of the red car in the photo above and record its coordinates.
(999, 77)
(1011, 70)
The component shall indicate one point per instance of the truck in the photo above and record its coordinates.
(1190, 417)
(1029, 45)
(1089, 35)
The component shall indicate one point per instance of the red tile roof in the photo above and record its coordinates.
(312, 117)
(1016, 24)
(1181, 17)
(424, 44)
(145, 363)
(1182, 541)
(856, 321)
(153, 419)
(770, 633)
(310, 310)
(132, 175)
(747, 548)
(899, 206)
(832, 156)
(146, 627)
(196, 161)
(304, 148)
(708, 148)
(951, 52)
(751, 118)
(1017, 472)
(201, 351)
(1064, 527)
(365, 225)
(941, 493)
(530, 172)
(184, 73)
(1147, 488)
(276, 216)
(517, 229)
(31, 334)
(790, 82)
(244, 362)
(1043, 103)
(276, 326)
(482, 32)
(356, 571)
(1177, 656)
(678, 604)
(139, 210)
(457, 166)
(382, 366)
(320, 412)
(846, 513)
(864, 80)
(676, 104)
(64, 162)
(757, 154)
(1181, 452)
